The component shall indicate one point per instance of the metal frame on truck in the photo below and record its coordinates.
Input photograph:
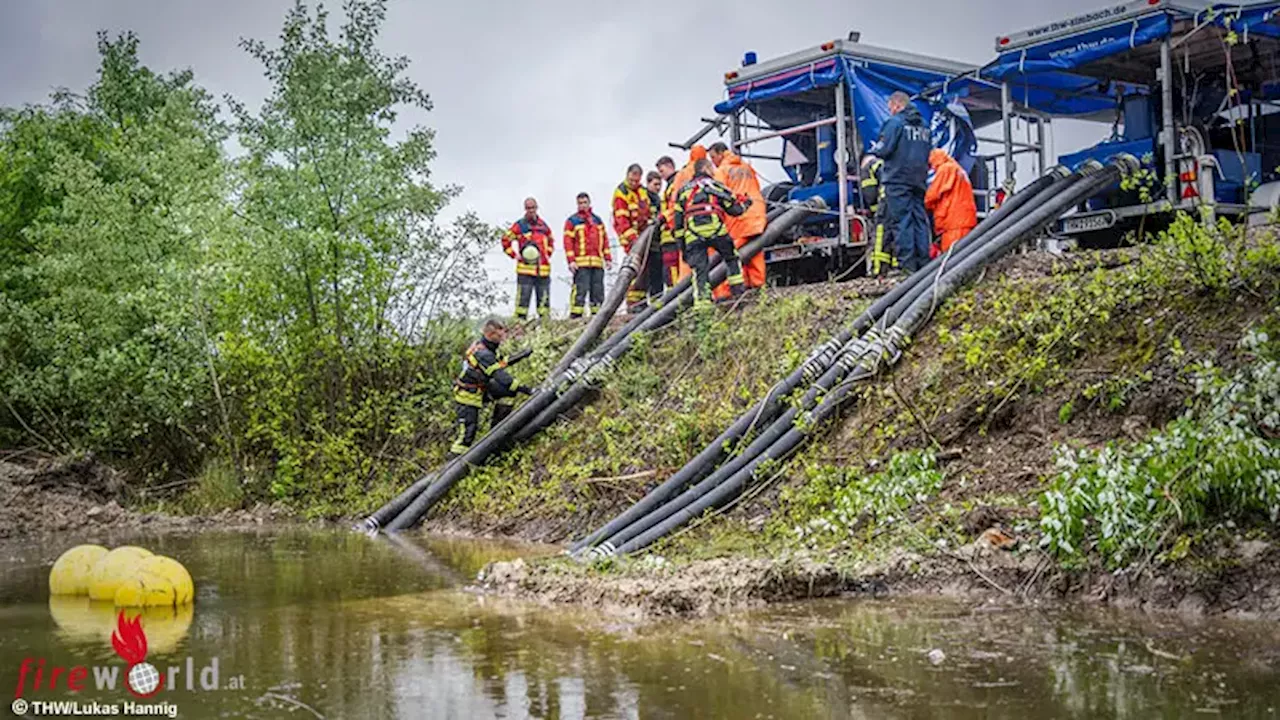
(1208, 142)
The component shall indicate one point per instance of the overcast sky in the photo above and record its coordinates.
(533, 98)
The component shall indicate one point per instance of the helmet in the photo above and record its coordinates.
(530, 253)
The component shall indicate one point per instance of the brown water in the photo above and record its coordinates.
(337, 625)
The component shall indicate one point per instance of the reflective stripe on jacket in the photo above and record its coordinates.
(631, 213)
(484, 370)
(701, 209)
(523, 233)
(586, 243)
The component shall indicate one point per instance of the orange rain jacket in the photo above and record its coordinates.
(950, 199)
(741, 179)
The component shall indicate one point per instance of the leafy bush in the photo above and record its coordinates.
(837, 504)
(1220, 460)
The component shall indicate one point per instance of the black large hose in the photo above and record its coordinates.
(408, 507)
(910, 321)
(626, 274)
(810, 370)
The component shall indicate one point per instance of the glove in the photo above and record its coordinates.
(526, 390)
(748, 202)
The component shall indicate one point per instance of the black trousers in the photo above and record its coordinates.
(526, 287)
(695, 254)
(467, 423)
(910, 225)
(588, 291)
(654, 278)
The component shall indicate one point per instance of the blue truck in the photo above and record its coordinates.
(1190, 88)
(821, 108)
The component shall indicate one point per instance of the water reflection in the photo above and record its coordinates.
(355, 627)
(82, 621)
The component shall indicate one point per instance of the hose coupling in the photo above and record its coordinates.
(1059, 171)
(1090, 167)
(1127, 163)
(596, 372)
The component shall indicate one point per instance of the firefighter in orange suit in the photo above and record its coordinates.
(740, 178)
(950, 199)
(529, 242)
(631, 215)
(586, 249)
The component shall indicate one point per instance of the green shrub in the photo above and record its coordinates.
(1220, 460)
(837, 504)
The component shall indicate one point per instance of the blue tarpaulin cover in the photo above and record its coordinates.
(869, 83)
(1074, 51)
(1046, 77)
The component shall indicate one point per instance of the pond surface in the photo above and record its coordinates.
(338, 625)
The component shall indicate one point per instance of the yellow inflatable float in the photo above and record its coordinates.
(127, 576)
(70, 573)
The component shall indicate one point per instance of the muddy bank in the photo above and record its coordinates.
(1243, 580)
(44, 495)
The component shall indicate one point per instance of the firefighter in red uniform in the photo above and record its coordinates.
(529, 242)
(586, 249)
(484, 377)
(668, 243)
(702, 208)
(631, 215)
(652, 274)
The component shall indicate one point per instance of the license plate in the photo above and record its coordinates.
(785, 253)
(1089, 223)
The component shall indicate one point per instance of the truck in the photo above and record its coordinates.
(1190, 88)
(823, 107)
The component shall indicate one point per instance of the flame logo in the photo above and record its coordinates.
(130, 642)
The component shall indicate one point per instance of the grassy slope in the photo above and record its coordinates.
(1038, 355)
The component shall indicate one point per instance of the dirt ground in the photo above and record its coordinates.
(1246, 583)
(43, 495)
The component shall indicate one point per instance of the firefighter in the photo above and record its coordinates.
(631, 215)
(529, 242)
(950, 199)
(586, 250)
(740, 178)
(882, 257)
(702, 207)
(651, 275)
(484, 377)
(904, 146)
(674, 185)
(670, 246)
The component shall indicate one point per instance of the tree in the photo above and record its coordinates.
(345, 274)
(118, 193)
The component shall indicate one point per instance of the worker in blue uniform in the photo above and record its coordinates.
(904, 146)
